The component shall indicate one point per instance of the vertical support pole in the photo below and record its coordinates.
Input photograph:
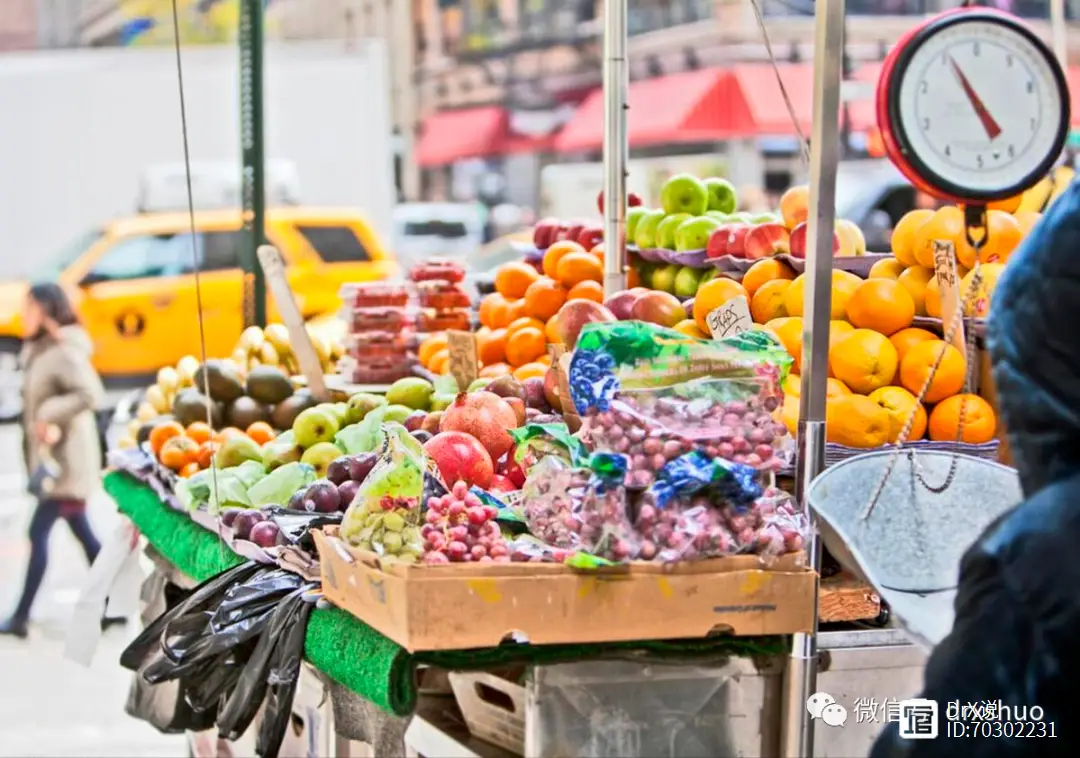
(1059, 32)
(253, 157)
(800, 680)
(616, 147)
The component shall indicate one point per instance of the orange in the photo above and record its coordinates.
(1003, 235)
(863, 360)
(525, 346)
(887, 268)
(554, 254)
(767, 302)
(790, 335)
(920, 359)
(1027, 220)
(429, 347)
(712, 295)
(493, 311)
(932, 298)
(551, 331)
(515, 309)
(788, 414)
(589, 290)
(903, 235)
(883, 305)
(599, 251)
(904, 339)
(261, 432)
(205, 456)
(833, 387)
(1009, 204)
(162, 433)
(979, 424)
(523, 322)
(575, 268)
(633, 278)
(494, 371)
(440, 362)
(544, 298)
(843, 285)
(199, 432)
(188, 470)
(544, 359)
(901, 406)
(228, 433)
(946, 225)
(915, 280)
(838, 327)
(776, 323)
(690, 328)
(513, 278)
(530, 370)
(977, 302)
(765, 270)
(491, 348)
(177, 452)
(856, 421)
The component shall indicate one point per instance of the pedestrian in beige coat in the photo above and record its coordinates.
(61, 391)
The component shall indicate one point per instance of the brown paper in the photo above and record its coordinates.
(569, 411)
(949, 288)
(464, 363)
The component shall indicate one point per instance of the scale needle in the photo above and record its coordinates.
(988, 122)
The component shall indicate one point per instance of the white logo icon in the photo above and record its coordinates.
(822, 705)
(918, 719)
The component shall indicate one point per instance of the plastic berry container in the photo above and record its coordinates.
(374, 295)
(430, 320)
(375, 346)
(442, 295)
(381, 371)
(437, 270)
(380, 319)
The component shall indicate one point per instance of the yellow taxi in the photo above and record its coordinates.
(133, 280)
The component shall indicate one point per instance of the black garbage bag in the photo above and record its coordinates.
(1005, 677)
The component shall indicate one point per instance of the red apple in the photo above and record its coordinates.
(767, 240)
(622, 303)
(718, 241)
(798, 243)
(632, 200)
(544, 233)
(736, 246)
(590, 237)
(573, 231)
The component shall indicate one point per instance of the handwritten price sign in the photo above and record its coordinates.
(733, 317)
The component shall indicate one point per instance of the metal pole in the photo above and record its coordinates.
(616, 147)
(1058, 32)
(800, 681)
(253, 157)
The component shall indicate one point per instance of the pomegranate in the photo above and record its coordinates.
(461, 458)
(512, 470)
(485, 416)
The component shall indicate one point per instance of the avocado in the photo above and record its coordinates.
(268, 385)
(288, 409)
(225, 386)
(245, 411)
(190, 406)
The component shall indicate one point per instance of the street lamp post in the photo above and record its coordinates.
(253, 158)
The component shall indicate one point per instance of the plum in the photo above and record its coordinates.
(245, 522)
(346, 492)
(323, 496)
(266, 534)
(296, 502)
(414, 422)
(228, 516)
(360, 465)
(338, 470)
(421, 436)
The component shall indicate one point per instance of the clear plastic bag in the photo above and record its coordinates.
(385, 514)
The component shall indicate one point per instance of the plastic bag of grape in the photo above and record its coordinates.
(385, 515)
(575, 508)
(653, 394)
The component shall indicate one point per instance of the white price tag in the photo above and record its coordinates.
(733, 317)
(949, 291)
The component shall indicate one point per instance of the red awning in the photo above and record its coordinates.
(484, 132)
(685, 107)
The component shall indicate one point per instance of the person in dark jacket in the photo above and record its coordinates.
(61, 391)
(1015, 641)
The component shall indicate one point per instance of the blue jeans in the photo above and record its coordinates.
(47, 513)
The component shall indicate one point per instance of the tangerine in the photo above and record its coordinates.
(1003, 235)
(979, 421)
(920, 360)
(261, 432)
(904, 339)
(205, 456)
(883, 305)
(932, 298)
(901, 407)
(903, 235)
(493, 312)
(513, 278)
(494, 371)
(524, 321)
(535, 369)
(525, 346)
(162, 433)
(515, 309)
(633, 278)
(833, 387)
(575, 268)
(767, 302)
(228, 433)
(946, 225)
(863, 360)
(887, 268)
(765, 270)
(915, 280)
(491, 348)
(856, 421)
(430, 346)
(177, 452)
(843, 285)
(790, 335)
(554, 254)
(1008, 205)
(544, 298)
(199, 432)
(440, 362)
(712, 295)
(588, 290)
(188, 470)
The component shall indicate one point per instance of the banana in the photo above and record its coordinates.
(278, 336)
(146, 412)
(133, 427)
(155, 396)
(251, 338)
(185, 370)
(126, 442)
(1039, 198)
(168, 379)
(322, 347)
(268, 354)
(290, 364)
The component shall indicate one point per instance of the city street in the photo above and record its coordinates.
(50, 706)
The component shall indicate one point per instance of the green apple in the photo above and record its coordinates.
(396, 414)
(663, 278)
(363, 403)
(722, 195)
(645, 270)
(684, 193)
(723, 218)
(645, 233)
(709, 275)
(687, 281)
(665, 232)
(633, 217)
(766, 218)
(693, 234)
(315, 425)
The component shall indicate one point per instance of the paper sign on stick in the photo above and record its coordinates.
(731, 318)
(949, 288)
(464, 363)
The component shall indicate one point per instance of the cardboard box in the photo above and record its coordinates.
(469, 605)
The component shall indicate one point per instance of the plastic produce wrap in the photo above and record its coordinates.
(385, 515)
(535, 442)
(581, 508)
(437, 269)
(374, 295)
(442, 295)
(653, 394)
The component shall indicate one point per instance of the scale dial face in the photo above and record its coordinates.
(978, 106)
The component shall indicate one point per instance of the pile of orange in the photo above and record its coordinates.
(513, 334)
(188, 450)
